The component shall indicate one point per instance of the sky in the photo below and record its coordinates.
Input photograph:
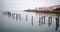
(26, 4)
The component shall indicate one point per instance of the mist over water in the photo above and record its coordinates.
(26, 4)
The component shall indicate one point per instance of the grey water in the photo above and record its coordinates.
(22, 21)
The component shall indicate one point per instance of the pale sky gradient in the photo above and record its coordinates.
(26, 4)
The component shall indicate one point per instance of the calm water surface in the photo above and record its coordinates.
(29, 21)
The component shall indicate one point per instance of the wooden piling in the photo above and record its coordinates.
(19, 16)
(32, 20)
(26, 17)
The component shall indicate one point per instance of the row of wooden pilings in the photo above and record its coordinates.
(41, 19)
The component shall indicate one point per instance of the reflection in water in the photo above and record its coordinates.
(41, 20)
(49, 21)
(32, 20)
(26, 17)
(13, 15)
(16, 17)
(19, 16)
(7, 13)
(57, 23)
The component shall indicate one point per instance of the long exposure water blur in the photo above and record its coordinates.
(22, 21)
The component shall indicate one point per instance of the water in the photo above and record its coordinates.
(19, 21)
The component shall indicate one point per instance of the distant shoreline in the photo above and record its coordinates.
(52, 9)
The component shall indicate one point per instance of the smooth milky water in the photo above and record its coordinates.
(19, 21)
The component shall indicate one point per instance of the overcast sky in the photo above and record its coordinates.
(26, 4)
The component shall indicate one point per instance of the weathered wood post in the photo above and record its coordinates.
(49, 21)
(26, 17)
(32, 20)
(43, 20)
(19, 16)
(39, 22)
(39, 19)
(9, 14)
(57, 23)
(13, 15)
(16, 16)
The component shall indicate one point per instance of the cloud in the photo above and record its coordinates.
(24, 4)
